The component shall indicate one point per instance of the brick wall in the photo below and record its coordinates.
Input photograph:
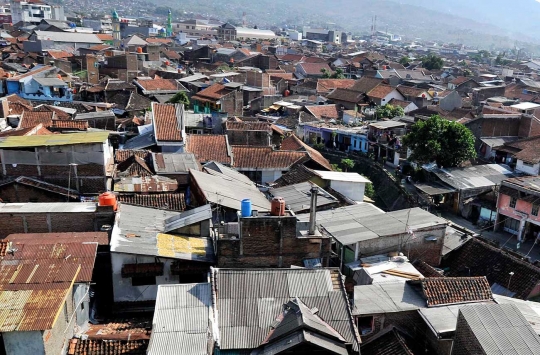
(270, 242)
(465, 343)
(53, 222)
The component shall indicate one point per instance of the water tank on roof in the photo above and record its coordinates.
(108, 199)
(277, 206)
(246, 207)
(139, 50)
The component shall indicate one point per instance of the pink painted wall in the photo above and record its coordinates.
(522, 206)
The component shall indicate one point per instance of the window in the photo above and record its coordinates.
(534, 210)
(527, 164)
(513, 202)
(143, 280)
(365, 325)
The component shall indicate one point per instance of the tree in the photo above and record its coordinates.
(179, 98)
(347, 164)
(338, 74)
(431, 62)
(405, 61)
(369, 191)
(448, 143)
(389, 111)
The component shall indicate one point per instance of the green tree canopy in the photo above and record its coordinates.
(347, 163)
(179, 98)
(405, 61)
(389, 111)
(446, 142)
(338, 74)
(431, 62)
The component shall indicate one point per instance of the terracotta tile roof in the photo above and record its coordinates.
(133, 166)
(528, 149)
(107, 347)
(102, 238)
(324, 111)
(123, 154)
(172, 55)
(209, 147)
(277, 130)
(100, 47)
(454, 290)
(37, 130)
(117, 85)
(460, 80)
(3, 247)
(247, 126)
(347, 95)
(33, 118)
(265, 158)
(326, 85)
(291, 58)
(388, 342)
(167, 127)
(314, 60)
(57, 54)
(158, 84)
(164, 201)
(297, 174)
(279, 76)
(213, 92)
(158, 40)
(425, 269)
(410, 91)
(293, 141)
(314, 68)
(366, 84)
(81, 125)
(104, 36)
(60, 114)
(381, 91)
(400, 103)
(121, 329)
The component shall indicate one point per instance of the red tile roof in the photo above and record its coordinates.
(327, 85)
(529, 149)
(133, 166)
(3, 247)
(410, 91)
(172, 55)
(130, 329)
(167, 125)
(324, 111)
(104, 36)
(158, 40)
(400, 103)
(37, 130)
(158, 84)
(265, 158)
(213, 92)
(294, 143)
(100, 47)
(454, 290)
(57, 54)
(279, 76)
(60, 114)
(314, 68)
(209, 147)
(297, 174)
(460, 80)
(123, 154)
(81, 125)
(102, 238)
(107, 347)
(33, 118)
(164, 201)
(381, 91)
(291, 57)
(247, 126)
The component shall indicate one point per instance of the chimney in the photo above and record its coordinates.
(313, 209)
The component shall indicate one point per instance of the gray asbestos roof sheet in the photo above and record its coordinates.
(386, 298)
(298, 196)
(181, 320)
(248, 302)
(474, 176)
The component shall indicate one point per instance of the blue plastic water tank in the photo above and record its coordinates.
(246, 207)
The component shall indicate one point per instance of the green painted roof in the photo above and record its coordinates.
(53, 139)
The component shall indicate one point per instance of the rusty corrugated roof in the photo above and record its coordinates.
(101, 238)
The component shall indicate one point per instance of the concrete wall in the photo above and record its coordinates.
(23, 343)
(352, 190)
(122, 288)
(527, 169)
(56, 339)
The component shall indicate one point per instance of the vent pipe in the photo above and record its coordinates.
(313, 209)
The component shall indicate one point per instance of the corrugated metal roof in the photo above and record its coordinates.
(249, 300)
(530, 310)
(141, 231)
(227, 191)
(386, 298)
(50, 81)
(43, 207)
(101, 238)
(53, 139)
(474, 176)
(181, 322)
(187, 218)
(174, 163)
(340, 176)
(501, 329)
(33, 306)
(298, 196)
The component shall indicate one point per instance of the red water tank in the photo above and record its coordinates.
(286, 93)
(277, 206)
(139, 50)
(108, 199)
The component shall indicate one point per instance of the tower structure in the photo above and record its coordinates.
(116, 29)
(169, 24)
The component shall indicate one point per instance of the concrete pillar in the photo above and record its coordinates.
(521, 229)
(356, 251)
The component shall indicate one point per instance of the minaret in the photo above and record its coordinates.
(169, 24)
(116, 29)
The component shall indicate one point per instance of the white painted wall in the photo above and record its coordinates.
(527, 169)
(353, 190)
(393, 95)
(122, 288)
(270, 175)
(23, 343)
